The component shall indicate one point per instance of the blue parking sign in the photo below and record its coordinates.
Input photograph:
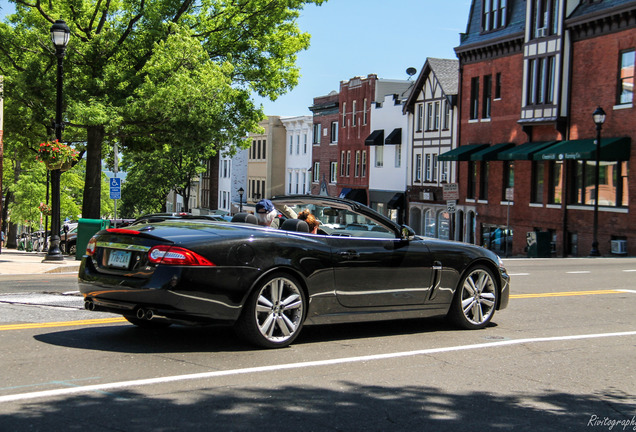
(115, 188)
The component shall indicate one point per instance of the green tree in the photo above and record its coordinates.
(143, 73)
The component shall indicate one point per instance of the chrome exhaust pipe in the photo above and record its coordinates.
(89, 305)
(149, 315)
(141, 314)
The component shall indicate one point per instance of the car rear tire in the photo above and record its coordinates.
(475, 299)
(274, 313)
(72, 248)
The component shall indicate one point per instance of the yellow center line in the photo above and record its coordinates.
(62, 324)
(564, 294)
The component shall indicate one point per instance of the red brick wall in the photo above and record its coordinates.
(325, 153)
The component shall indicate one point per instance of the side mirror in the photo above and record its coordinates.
(407, 233)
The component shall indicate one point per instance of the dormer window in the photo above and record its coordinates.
(494, 14)
(544, 18)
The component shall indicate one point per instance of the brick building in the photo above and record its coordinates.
(531, 75)
(324, 166)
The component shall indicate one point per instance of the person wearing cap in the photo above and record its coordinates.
(311, 221)
(266, 213)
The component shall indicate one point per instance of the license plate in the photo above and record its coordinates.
(119, 259)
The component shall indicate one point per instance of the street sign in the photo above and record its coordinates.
(451, 206)
(115, 188)
(451, 191)
(510, 194)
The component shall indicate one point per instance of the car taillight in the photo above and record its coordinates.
(174, 255)
(121, 231)
(91, 246)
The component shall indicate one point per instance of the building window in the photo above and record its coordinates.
(474, 98)
(365, 116)
(304, 143)
(420, 117)
(264, 149)
(484, 168)
(436, 115)
(544, 18)
(357, 166)
(316, 172)
(344, 114)
(333, 172)
(304, 182)
(289, 189)
(626, 77)
(297, 144)
(342, 163)
(612, 184)
(354, 114)
(487, 96)
(434, 168)
(555, 186)
(508, 177)
(334, 132)
(536, 192)
(444, 166)
(398, 156)
(498, 86)
(291, 144)
(379, 156)
(418, 168)
(348, 163)
(447, 111)
(427, 168)
(541, 81)
(297, 181)
(364, 163)
(429, 116)
(316, 135)
(493, 14)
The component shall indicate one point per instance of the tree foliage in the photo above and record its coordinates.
(148, 74)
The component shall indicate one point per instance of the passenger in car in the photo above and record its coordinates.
(266, 214)
(311, 221)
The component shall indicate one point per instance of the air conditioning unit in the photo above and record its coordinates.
(542, 32)
(619, 247)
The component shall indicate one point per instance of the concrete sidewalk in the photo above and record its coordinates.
(13, 261)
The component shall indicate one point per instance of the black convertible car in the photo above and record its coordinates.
(267, 282)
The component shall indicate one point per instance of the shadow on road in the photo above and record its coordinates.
(131, 339)
(351, 407)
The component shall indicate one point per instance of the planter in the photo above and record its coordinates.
(62, 165)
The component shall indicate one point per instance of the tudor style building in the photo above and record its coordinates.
(432, 119)
(531, 75)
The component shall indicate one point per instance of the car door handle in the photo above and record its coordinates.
(349, 254)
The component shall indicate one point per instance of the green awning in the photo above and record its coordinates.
(461, 153)
(524, 151)
(490, 153)
(612, 149)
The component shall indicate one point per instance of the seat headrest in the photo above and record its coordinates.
(245, 217)
(295, 225)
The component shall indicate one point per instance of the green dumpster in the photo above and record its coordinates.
(539, 244)
(86, 228)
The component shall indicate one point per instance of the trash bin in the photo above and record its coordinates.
(539, 244)
(86, 228)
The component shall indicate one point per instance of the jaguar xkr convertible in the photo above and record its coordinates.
(268, 282)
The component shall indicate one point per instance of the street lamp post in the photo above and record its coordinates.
(59, 36)
(241, 192)
(599, 119)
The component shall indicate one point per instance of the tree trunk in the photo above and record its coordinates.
(93, 185)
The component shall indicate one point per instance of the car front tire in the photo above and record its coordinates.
(475, 300)
(274, 313)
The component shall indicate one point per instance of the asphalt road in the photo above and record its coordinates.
(560, 358)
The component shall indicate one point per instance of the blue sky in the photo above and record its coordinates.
(359, 37)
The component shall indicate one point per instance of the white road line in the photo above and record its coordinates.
(579, 272)
(629, 271)
(276, 368)
(627, 291)
(519, 274)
